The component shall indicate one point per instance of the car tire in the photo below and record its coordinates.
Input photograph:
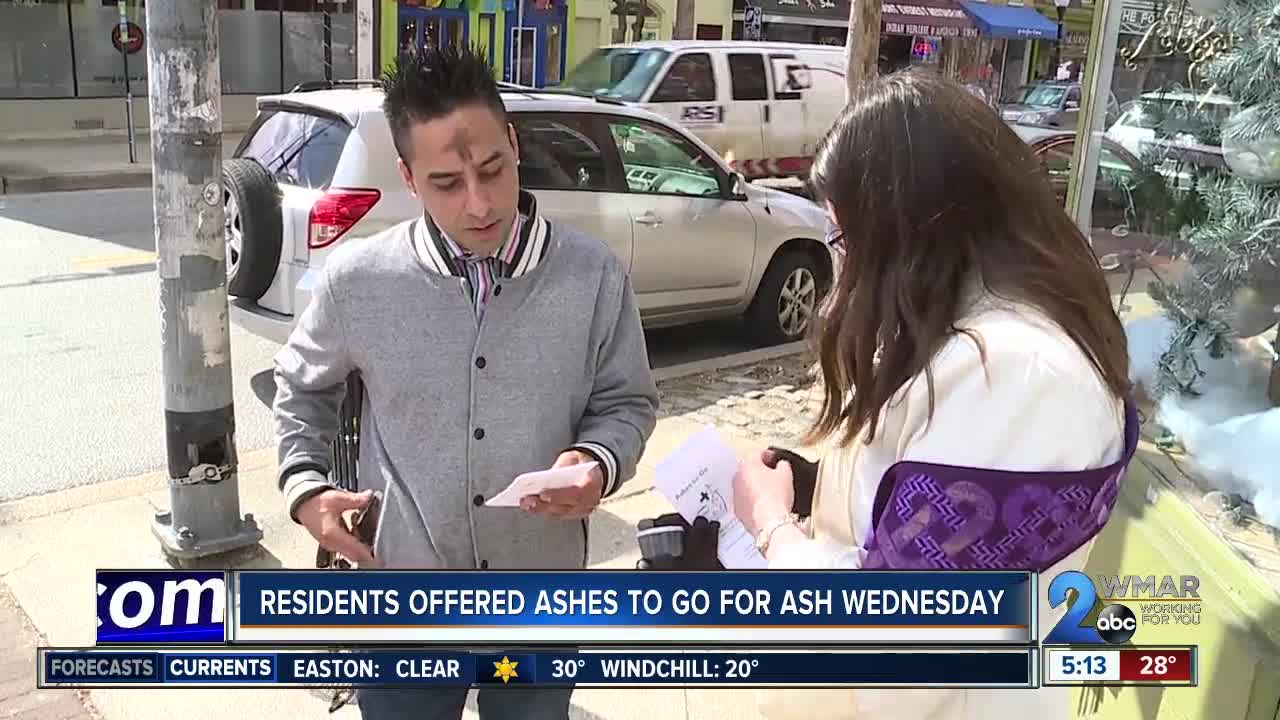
(251, 200)
(792, 284)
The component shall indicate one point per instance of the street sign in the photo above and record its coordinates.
(752, 16)
(126, 38)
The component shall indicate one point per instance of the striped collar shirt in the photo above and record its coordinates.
(519, 254)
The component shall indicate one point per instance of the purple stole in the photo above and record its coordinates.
(943, 517)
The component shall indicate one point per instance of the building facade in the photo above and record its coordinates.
(1077, 28)
(528, 41)
(66, 66)
(988, 45)
(606, 22)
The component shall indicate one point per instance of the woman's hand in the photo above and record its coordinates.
(761, 494)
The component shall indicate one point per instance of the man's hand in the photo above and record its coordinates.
(322, 516)
(569, 503)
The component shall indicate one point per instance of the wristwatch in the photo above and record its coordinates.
(766, 533)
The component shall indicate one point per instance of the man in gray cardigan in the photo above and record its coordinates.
(491, 342)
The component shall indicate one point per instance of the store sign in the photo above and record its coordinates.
(1178, 33)
(933, 20)
(1134, 21)
(838, 9)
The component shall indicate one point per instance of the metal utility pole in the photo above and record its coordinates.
(125, 38)
(186, 169)
(862, 45)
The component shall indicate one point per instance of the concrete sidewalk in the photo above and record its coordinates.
(55, 543)
(90, 163)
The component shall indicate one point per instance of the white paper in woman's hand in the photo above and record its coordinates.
(698, 480)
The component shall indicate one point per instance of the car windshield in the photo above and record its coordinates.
(621, 73)
(1047, 96)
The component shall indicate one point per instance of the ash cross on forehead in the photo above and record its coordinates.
(461, 144)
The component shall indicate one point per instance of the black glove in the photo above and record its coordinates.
(804, 477)
(701, 545)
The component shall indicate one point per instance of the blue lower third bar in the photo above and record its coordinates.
(1005, 667)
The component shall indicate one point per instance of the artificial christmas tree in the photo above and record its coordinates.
(1216, 378)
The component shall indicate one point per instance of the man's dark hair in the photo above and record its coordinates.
(432, 82)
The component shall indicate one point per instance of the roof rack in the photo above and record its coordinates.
(313, 85)
(582, 94)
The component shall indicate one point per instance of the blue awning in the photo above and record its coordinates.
(1010, 21)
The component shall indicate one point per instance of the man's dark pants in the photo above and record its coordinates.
(495, 703)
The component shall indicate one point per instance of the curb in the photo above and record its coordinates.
(102, 134)
(727, 361)
(67, 182)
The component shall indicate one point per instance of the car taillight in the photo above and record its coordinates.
(336, 212)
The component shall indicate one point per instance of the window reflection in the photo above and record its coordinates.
(1185, 205)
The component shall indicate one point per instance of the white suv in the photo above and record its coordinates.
(319, 166)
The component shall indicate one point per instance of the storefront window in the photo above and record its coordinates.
(250, 51)
(100, 66)
(35, 50)
(551, 58)
(317, 46)
(1180, 193)
(53, 49)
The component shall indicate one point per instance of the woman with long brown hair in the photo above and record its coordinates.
(972, 367)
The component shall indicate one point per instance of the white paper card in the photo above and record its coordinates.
(698, 480)
(532, 483)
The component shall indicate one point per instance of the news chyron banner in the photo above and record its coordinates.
(996, 667)
(301, 607)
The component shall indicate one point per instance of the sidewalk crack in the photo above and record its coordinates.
(21, 566)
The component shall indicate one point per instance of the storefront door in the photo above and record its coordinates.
(432, 27)
(536, 50)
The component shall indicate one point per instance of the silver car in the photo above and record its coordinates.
(1053, 104)
(318, 167)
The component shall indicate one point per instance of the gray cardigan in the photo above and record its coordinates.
(564, 362)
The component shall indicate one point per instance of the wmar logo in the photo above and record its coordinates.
(160, 606)
(1171, 598)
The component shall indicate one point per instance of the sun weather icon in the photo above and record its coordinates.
(505, 669)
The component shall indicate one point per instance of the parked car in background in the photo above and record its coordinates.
(700, 242)
(763, 106)
(1178, 130)
(1052, 104)
(1131, 201)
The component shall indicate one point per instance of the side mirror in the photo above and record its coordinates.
(1073, 105)
(798, 78)
(737, 186)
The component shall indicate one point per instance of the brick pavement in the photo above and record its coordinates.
(19, 698)
(770, 402)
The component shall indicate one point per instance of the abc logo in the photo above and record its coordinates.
(1116, 624)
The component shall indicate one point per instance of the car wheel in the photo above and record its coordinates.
(251, 202)
(787, 301)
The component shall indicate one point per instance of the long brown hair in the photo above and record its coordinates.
(936, 197)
